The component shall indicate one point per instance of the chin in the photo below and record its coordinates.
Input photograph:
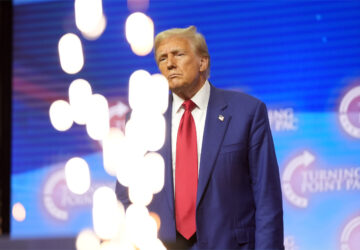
(175, 86)
(176, 89)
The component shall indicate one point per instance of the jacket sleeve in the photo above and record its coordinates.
(266, 186)
(122, 194)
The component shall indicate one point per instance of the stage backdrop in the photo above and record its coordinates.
(302, 58)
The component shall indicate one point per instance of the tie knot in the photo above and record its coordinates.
(189, 105)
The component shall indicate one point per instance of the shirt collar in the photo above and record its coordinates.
(201, 98)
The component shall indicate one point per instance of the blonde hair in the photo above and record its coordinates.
(195, 38)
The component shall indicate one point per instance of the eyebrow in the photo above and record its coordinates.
(173, 51)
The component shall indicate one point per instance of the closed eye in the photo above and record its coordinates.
(161, 59)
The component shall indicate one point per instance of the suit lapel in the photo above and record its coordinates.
(217, 121)
(167, 155)
(214, 133)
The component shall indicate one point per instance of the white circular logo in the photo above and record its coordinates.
(349, 112)
(350, 236)
(289, 180)
(54, 186)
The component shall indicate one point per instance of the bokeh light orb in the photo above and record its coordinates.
(131, 160)
(88, 15)
(139, 88)
(139, 31)
(87, 240)
(154, 167)
(108, 213)
(139, 193)
(147, 129)
(156, 217)
(71, 53)
(97, 31)
(159, 92)
(149, 93)
(140, 226)
(114, 145)
(18, 212)
(98, 122)
(77, 175)
(79, 98)
(60, 115)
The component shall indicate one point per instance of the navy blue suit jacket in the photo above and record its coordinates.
(239, 201)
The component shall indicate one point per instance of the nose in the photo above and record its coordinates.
(171, 62)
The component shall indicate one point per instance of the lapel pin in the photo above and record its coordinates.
(221, 118)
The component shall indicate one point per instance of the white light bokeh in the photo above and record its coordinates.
(149, 93)
(159, 93)
(60, 115)
(140, 226)
(108, 213)
(156, 217)
(139, 87)
(154, 167)
(139, 30)
(114, 145)
(146, 234)
(71, 53)
(139, 194)
(116, 245)
(77, 175)
(155, 136)
(88, 15)
(98, 30)
(149, 179)
(154, 244)
(131, 162)
(98, 123)
(135, 214)
(87, 240)
(18, 212)
(134, 132)
(123, 155)
(79, 98)
(146, 129)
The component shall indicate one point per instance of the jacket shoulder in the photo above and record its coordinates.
(239, 99)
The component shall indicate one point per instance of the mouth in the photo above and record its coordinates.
(173, 76)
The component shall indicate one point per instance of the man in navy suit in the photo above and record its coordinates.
(237, 202)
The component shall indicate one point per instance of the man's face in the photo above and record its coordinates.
(182, 67)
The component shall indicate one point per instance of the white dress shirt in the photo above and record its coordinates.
(201, 99)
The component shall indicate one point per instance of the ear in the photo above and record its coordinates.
(204, 63)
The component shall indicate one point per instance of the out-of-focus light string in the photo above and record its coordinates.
(129, 156)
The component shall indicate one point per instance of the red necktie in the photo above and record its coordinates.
(186, 173)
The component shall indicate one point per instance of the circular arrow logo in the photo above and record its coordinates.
(52, 186)
(350, 236)
(303, 160)
(349, 112)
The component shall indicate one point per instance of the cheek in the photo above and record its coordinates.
(161, 67)
(163, 71)
(192, 72)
